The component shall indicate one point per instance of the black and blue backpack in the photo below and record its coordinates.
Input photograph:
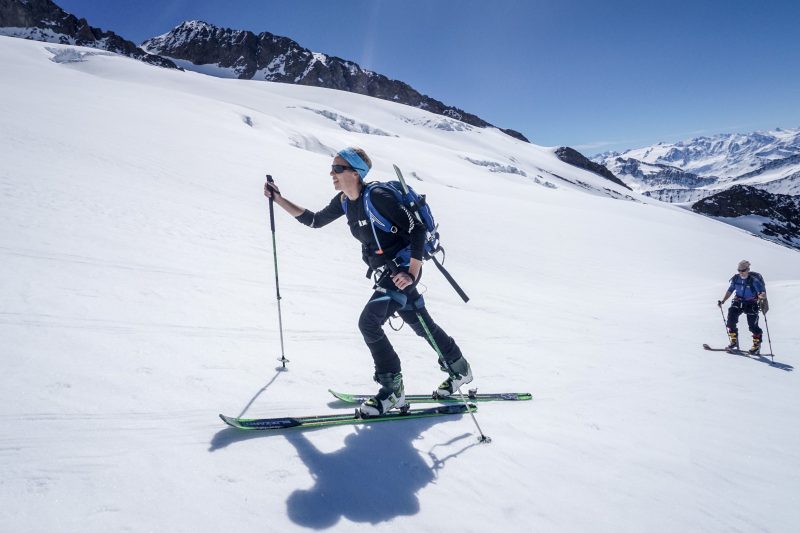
(413, 202)
(419, 209)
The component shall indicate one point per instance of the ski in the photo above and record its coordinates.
(472, 396)
(342, 419)
(728, 350)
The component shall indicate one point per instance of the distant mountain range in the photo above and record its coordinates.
(687, 171)
(749, 180)
(203, 47)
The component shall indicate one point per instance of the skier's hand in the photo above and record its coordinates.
(402, 280)
(720, 302)
(271, 189)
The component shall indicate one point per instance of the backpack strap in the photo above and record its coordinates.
(374, 216)
(760, 278)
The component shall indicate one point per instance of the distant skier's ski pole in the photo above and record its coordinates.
(724, 323)
(283, 359)
(482, 438)
(766, 325)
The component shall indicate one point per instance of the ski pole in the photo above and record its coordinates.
(724, 323)
(483, 438)
(283, 359)
(766, 325)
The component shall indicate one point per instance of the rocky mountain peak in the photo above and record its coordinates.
(245, 55)
(778, 214)
(43, 20)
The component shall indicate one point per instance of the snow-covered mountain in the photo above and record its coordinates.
(775, 216)
(687, 172)
(138, 301)
(242, 54)
(42, 20)
(727, 157)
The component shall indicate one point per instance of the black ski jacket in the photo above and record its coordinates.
(410, 233)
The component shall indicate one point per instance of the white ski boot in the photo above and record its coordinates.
(391, 395)
(460, 374)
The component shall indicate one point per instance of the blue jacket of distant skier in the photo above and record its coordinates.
(746, 289)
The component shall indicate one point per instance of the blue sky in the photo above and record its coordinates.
(595, 75)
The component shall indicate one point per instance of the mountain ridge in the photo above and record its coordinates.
(269, 57)
(43, 20)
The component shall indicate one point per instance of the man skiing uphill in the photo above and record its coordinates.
(750, 296)
(397, 257)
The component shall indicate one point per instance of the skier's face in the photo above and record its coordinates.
(347, 178)
(744, 273)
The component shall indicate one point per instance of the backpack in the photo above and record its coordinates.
(419, 209)
(412, 201)
(749, 283)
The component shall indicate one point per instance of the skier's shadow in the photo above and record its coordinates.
(765, 358)
(374, 478)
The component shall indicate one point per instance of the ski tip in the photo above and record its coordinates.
(228, 420)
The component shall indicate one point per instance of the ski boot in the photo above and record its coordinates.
(460, 374)
(756, 349)
(734, 345)
(391, 395)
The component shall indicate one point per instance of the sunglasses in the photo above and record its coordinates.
(338, 169)
(745, 270)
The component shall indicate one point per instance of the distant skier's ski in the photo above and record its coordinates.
(472, 396)
(339, 420)
(728, 350)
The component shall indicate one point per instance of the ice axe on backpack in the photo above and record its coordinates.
(440, 266)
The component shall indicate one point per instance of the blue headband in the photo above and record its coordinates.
(358, 164)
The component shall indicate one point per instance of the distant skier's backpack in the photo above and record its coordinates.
(749, 283)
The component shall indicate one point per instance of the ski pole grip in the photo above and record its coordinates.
(271, 209)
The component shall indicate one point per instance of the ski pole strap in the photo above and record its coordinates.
(450, 279)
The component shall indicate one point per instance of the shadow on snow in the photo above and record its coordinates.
(373, 478)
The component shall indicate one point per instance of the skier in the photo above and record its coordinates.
(399, 264)
(750, 297)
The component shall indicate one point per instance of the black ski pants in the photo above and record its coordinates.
(410, 306)
(748, 308)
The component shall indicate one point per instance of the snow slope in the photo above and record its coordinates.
(139, 301)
